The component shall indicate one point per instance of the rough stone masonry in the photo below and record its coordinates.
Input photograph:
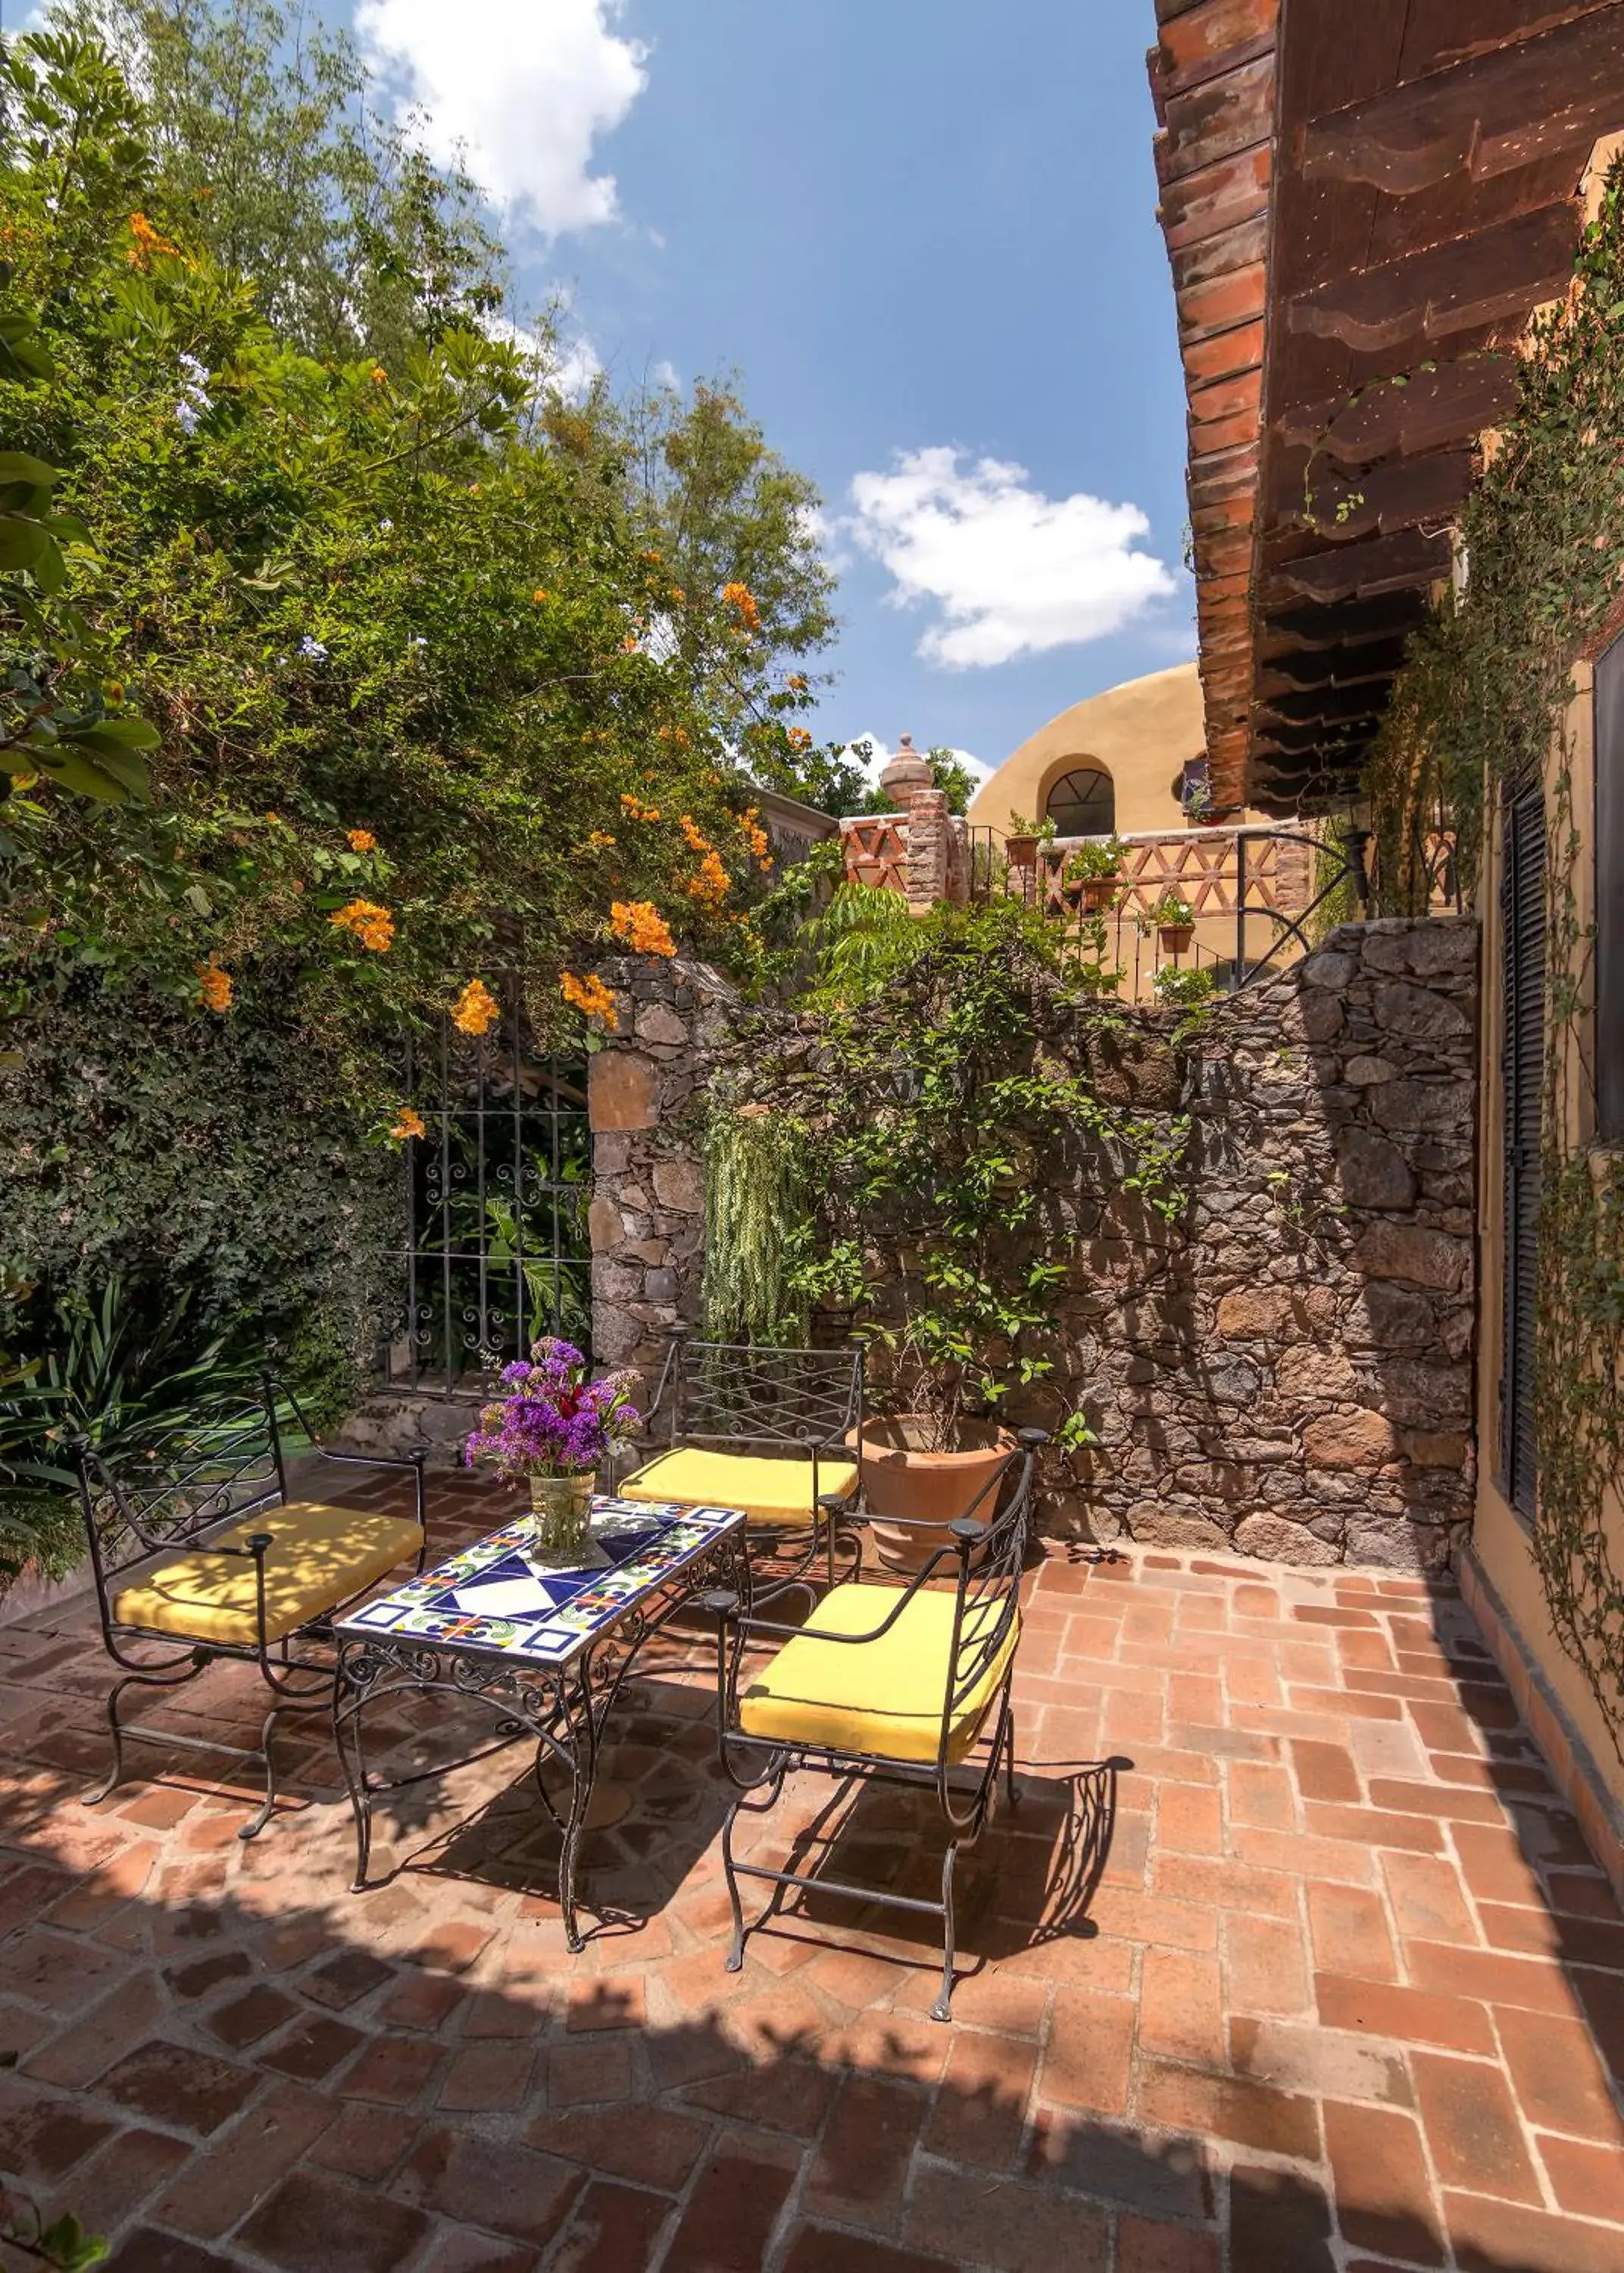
(1289, 1373)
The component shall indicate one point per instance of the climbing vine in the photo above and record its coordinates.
(1478, 710)
(1542, 548)
(1579, 1355)
(921, 1148)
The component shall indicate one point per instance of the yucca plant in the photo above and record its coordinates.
(117, 1370)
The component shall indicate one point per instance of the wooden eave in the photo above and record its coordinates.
(1363, 205)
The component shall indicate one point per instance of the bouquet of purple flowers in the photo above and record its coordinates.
(553, 1420)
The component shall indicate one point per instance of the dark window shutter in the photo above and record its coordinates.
(1523, 924)
(1609, 1052)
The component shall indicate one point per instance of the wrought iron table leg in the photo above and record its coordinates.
(346, 1733)
(582, 1748)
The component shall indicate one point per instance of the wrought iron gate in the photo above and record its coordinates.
(494, 1244)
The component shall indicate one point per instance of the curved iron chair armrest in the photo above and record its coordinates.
(412, 1463)
(714, 1603)
(1024, 1451)
(415, 1458)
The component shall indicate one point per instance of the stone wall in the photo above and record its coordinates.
(1286, 1373)
(1292, 1376)
(647, 1173)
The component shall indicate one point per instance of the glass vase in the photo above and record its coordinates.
(560, 1505)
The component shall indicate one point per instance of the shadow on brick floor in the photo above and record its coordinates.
(1340, 1991)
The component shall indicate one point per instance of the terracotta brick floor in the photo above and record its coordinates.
(1318, 1974)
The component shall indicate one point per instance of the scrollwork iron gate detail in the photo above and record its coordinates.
(494, 1247)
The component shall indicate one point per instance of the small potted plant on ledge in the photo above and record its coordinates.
(552, 1431)
(1022, 837)
(1092, 872)
(1175, 924)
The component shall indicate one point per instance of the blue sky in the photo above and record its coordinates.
(924, 233)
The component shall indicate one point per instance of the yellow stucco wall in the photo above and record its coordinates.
(1140, 733)
(1500, 1535)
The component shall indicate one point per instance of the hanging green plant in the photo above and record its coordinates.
(753, 1205)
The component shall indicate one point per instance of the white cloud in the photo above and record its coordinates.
(828, 533)
(872, 753)
(1008, 570)
(567, 362)
(527, 85)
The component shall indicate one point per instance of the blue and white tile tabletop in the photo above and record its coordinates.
(500, 1599)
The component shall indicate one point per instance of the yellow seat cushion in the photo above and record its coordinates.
(769, 1490)
(320, 1557)
(882, 1697)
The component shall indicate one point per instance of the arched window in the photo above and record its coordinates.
(1082, 803)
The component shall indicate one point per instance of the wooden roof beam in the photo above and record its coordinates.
(1294, 629)
(1325, 745)
(1525, 100)
(1373, 565)
(1290, 674)
(1342, 506)
(1408, 413)
(1492, 275)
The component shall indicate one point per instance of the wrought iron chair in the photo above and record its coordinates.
(194, 1540)
(900, 1685)
(771, 1430)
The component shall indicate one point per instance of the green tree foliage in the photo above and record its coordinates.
(953, 777)
(422, 688)
(739, 528)
(351, 600)
(822, 775)
(266, 151)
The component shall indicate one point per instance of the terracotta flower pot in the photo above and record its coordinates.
(1097, 893)
(1021, 850)
(1174, 938)
(930, 1489)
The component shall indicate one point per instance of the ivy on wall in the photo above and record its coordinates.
(1542, 542)
(1579, 1315)
(218, 1158)
(1477, 709)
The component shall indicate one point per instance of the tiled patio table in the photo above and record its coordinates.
(544, 1649)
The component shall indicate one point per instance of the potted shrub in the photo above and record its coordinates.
(1175, 924)
(1022, 837)
(925, 1112)
(553, 1431)
(1091, 873)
